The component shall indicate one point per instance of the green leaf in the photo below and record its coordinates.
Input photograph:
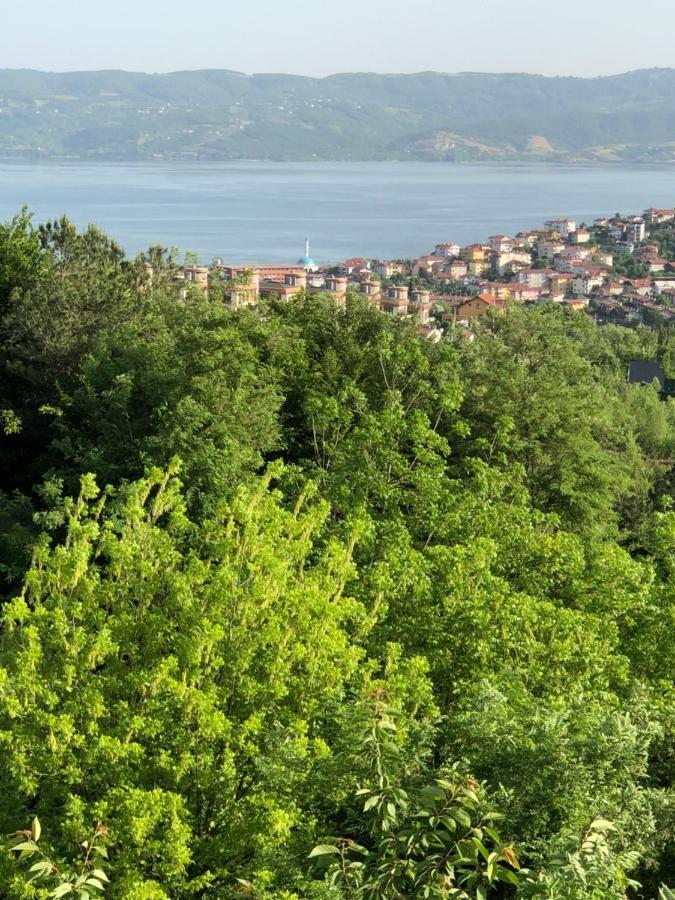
(461, 816)
(43, 865)
(37, 829)
(62, 890)
(507, 875)
(324, 850)
(99, 873)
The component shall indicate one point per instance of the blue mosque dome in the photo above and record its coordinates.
(307, 260)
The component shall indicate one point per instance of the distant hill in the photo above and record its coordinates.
(219, 114)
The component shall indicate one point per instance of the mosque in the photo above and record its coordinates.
(307, 260)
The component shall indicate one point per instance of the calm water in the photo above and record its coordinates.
(257, 211)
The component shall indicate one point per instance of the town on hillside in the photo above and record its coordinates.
(620, 269)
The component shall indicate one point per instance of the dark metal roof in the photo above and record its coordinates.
(644, 371)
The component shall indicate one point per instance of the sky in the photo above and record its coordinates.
(321, 37)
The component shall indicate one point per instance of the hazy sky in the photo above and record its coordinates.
(318, 37)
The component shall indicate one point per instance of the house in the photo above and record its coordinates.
(635, 229)
(527, 238)
(575, 303)
(502, 290)
(612, 311)
(508, 261)
(575, 253)
(501, 243)
(524, 293)
(386, 269)
(549, 249)
(474, 253)
(371, 288)
(456, 269)
(667, 296)
(446, 250)
(559, 283)
(272, 272)
(644, 371)
(430, 332)
(395, 300)
(420, 305)
(565, 227)
(537, 278)
(475, 307)
(336, 286)
(587, 280)
(283, 290)
(580, 236)
(478, 267)
(430, 264)
(242, 291)
(612, 288)
(197, 275)
(571, 259)
(640, 286)
(659, 216)
(355, 265)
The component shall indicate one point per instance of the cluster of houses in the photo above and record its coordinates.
(570, 264)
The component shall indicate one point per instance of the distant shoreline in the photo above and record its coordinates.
(482, 163)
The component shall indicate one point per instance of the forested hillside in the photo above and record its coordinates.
(298, 604)
(219, 114)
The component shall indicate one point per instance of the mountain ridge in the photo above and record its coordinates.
(215, 114)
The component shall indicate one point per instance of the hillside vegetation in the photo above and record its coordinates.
(217, 114)
(295, 603)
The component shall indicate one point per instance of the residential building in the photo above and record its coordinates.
(456, 269)
(197, 275)
(395, 300)
(336, 285)
(386, 269)
(659, 216)
(635, 229)
(549, 249)
(430, 264)
(537, 278)
(420, 305)
(446, 250)
(563, 226)
(476, 307)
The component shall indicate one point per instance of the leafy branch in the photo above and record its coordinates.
(89, 879)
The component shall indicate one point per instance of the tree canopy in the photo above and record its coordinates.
(298, 604)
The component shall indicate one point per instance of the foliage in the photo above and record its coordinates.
(436, 842)
(305, 513)
(88, 882)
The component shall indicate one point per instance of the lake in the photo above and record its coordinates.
(261, 211)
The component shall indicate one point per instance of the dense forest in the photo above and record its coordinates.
(298, 604)
(216, 114)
